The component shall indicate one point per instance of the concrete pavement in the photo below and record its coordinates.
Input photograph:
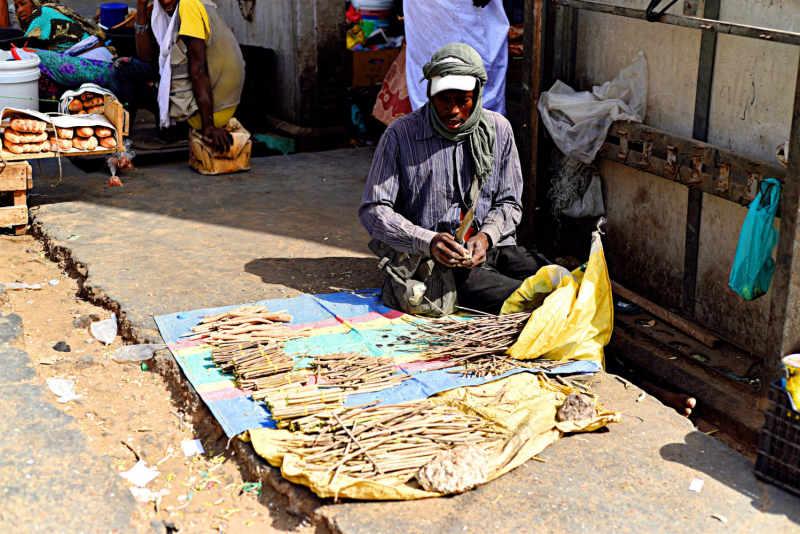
(172, 240)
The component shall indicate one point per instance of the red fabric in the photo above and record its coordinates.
(393, 101)
(353, 15)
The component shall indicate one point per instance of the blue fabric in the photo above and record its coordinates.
(753, 266)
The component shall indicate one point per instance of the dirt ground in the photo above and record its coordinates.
(127, 411)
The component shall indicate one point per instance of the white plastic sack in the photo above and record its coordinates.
(591, 203)
(579, 122)
(105, 331)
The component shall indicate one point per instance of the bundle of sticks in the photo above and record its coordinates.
(381, 442)
(252, 361)
(244, 324)
(356, 371)
(479, 344)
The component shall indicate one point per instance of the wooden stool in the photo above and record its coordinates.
(17, 177)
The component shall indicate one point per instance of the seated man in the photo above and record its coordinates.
(443, 163)
(190, 68)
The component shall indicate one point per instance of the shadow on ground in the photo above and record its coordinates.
(763, 497)
(318, 275)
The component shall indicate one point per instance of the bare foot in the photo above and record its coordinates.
(683, 404)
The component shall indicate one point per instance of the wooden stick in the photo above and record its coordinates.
(680, 323)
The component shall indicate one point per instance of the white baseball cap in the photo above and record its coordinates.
(452, 82)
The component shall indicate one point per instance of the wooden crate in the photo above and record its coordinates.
(16, 177)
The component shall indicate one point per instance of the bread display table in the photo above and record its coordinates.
(16, 175)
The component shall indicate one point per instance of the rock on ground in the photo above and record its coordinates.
(455, 470)
(576, 407)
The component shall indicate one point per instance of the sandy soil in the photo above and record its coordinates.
(127, 411)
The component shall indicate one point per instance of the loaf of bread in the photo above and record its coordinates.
(82, 112)
(87, 96)
(108, 142)
(84, 143)
(22, 138)
(96, 101)
(62, 144)
(28, 125)
(26, 148)
(75, 105)
(102, 131)
(94, 109)
(65, 133)
(84, 131)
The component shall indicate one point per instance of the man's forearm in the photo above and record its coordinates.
(144, 46)
(386, 225)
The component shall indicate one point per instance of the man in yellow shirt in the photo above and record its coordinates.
(190, 68)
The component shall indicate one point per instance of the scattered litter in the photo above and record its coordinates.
(145, 495)
(135, 353)
(627, 384)
(720, 517)
(21, 285)
(61, 346)
(696, 485)
(49, 360)
(642, 397)
(74, 237)
(90, 340)
(254, 487)
(192, 447)
(105, 331)
(712, 432)
(54, 282)
(139, 475)
(63, 389)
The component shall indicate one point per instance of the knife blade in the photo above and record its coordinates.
(464, 226)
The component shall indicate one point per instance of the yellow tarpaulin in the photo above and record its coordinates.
(527, 413)
(574, 312)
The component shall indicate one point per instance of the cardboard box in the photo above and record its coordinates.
(369, 67)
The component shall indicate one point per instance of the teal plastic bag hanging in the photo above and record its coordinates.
(753, 265)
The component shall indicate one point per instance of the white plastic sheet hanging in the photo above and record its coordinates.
(579, 122)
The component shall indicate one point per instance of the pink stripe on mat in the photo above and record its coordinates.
(223, 394)
(177, 345)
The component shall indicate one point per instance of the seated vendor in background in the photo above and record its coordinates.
(54, 31)
(419, 186)
(190, 68)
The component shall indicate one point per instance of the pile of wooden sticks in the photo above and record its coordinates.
(358, 372)
(245, 324)
(252, 361)
(382, 442)
(479, 344)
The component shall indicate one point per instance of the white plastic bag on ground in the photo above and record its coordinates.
(64, 389)
(136, 353)
(105, 331)
(579, 122)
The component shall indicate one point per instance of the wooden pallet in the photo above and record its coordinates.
(16, 177)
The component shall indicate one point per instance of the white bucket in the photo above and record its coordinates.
(20, 81)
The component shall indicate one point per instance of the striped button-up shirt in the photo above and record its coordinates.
(414, 192)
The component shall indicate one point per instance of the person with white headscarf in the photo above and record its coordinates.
(190, 68)
(482, 24)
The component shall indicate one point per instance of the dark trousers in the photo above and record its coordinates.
(133, 82)
(486, 287)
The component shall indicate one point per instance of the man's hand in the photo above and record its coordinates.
(480, 3)
(220, 138)
(477, 246)
(444, 249)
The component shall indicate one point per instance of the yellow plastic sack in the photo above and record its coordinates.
(574, 312)
(527, 412)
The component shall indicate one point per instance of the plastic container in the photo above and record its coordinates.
(377, 11)
(19, 84)
(113, 13)
(778, 459)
